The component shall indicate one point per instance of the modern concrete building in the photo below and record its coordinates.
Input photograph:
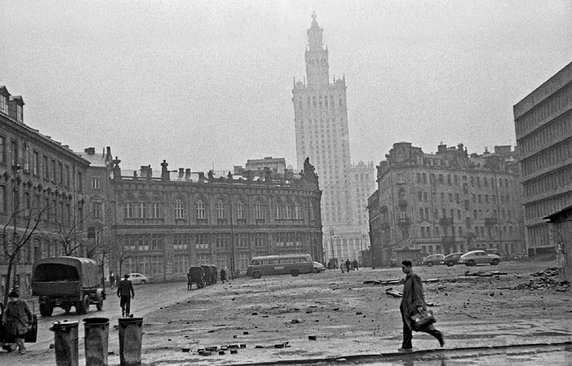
(543, 123)
(445, 202)
(322, 134)
(40, 179)
(164, 224)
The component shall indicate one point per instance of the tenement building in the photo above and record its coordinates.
(41, 196)
(445, 202)
(543, 123)
(322, 134)
(162, 225)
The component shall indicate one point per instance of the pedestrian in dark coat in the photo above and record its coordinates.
(348, 265)
(222, 275)
(125, 292)
(413, 302)
(17, 320)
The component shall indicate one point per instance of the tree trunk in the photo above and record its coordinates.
(8, 275)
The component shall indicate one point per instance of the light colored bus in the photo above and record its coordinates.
(292, 264)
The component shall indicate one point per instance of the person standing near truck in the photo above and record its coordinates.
(125, 292)
(17, 320)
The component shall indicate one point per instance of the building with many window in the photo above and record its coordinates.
(322, 134)
(162, 225)
(543, 123)
(445, 202)
(40, 179)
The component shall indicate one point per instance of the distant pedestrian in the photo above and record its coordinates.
(348, 265)
(222, 275)
(17, 320)
(355, 265)
(111, 279)
(413, 302)
(125, 292)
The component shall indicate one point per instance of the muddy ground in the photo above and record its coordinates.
(333, 315)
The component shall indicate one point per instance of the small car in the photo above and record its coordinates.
(138, 278)
(475, 257)
(433, 259)
(318, 267)
(452, 259)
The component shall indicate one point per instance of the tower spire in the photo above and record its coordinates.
(317, 68)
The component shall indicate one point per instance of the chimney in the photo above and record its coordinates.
(187, 174)
(89, 150)
(181, 173)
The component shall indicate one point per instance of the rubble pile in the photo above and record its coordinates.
(545, 280)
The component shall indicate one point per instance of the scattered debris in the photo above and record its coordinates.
(382, 282)
(391, 292)
(485, 273)
(550, 272)
(312, 337)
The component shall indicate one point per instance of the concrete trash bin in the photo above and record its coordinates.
(96, 341)
(130, 340)
(66, 343)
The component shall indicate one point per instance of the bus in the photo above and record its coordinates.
(292, 264)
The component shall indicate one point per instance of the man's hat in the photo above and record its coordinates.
(13, 294)
(126, 276)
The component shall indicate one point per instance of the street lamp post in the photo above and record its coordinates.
(16, 197)
(232, 253)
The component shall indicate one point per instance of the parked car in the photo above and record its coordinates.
(478, 257)
(138, 278)
(452, 259)
(433, 259)
(318, 267)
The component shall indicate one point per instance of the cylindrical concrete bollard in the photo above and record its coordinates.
(130, 340)
(66, 343)
(96, 341)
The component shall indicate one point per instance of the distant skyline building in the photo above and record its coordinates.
(543, 124)
(322, 135)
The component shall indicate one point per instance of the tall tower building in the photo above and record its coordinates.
(321, 125)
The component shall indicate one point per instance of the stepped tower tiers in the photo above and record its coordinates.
(321, 125)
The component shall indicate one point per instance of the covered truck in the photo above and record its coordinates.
(65, 282)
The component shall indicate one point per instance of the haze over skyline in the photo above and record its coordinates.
(209, 83)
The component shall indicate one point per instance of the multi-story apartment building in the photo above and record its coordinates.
(39, 179)
(445, 202)
(162, 225)
(322, 134)
(543, 123)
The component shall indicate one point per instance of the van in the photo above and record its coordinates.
(293, 264)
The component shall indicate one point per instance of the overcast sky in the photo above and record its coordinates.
(207, 84)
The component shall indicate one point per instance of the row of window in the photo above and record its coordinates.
(479, 231)
(30, 161)
(319, 101)
(550, 106)
(454, 179)
(223, 211)
(540, 209)
(550, 182)
(552, 156)
(545, 135)
(477, 214)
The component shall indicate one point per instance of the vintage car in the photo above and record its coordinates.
(479, 257)
(452, 259)
(433, 259)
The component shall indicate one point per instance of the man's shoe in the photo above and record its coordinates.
(23, 351)
(405, 350)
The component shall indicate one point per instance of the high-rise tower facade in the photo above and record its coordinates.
(321, 125)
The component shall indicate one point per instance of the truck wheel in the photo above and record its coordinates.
(495, 262)
(66, 308)
(82, 307)
(294, 273)
(256, 274)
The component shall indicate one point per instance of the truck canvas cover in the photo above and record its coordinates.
(64, 269)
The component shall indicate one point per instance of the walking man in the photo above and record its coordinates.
(125, 293)
(17, 320)
(413, 302)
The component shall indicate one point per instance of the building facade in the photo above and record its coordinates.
(543, 124)
(163, 225)
(445, 202)
(322, 134)
(41, 181)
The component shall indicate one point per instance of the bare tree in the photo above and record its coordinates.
(120, 252)
(14, 238)
(71, 236)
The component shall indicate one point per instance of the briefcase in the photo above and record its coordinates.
(422, 320)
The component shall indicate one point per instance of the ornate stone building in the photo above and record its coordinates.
(39, 179)
(322, 134)
(543, 123)
(445, 202)
(163, 225)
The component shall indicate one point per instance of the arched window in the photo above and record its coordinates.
(240, 210)
(220, 210)
(200, 210)
(179, 209)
